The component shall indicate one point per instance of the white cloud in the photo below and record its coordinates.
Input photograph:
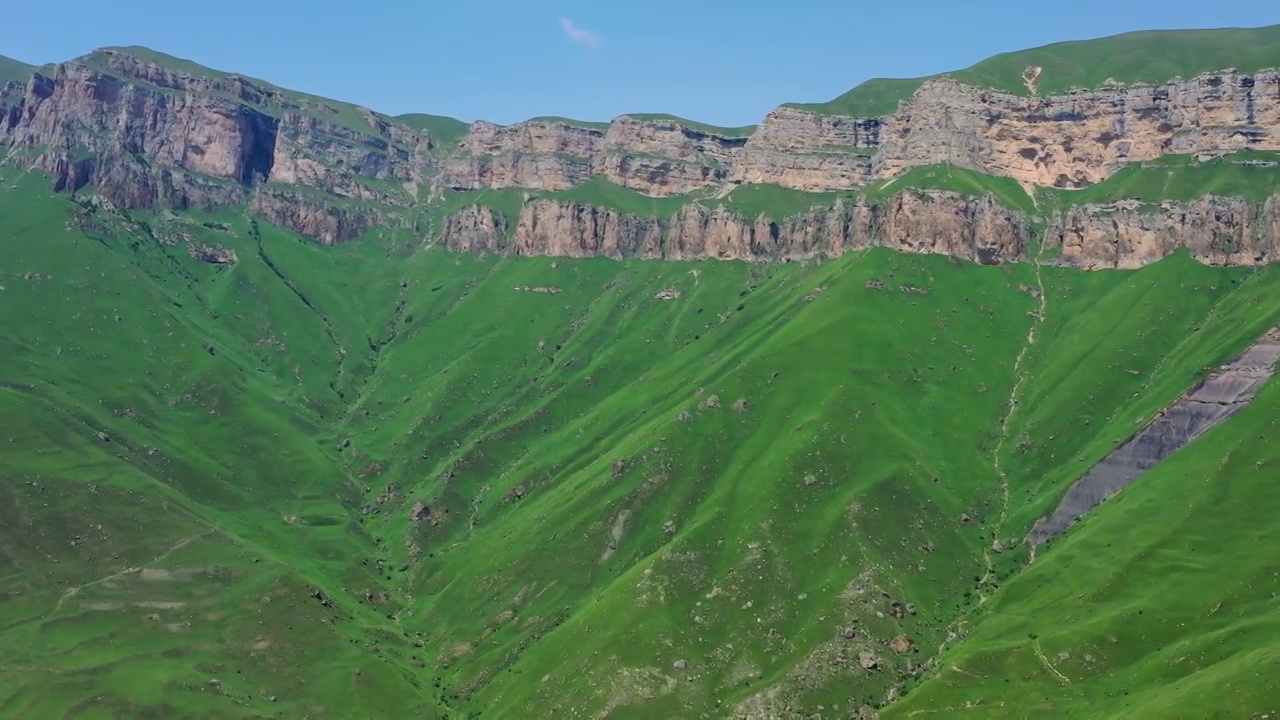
(579, 35)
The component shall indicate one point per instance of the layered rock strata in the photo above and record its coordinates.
(148, 135)
(1216, 231)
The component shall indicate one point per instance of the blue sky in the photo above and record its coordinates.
(726, 63)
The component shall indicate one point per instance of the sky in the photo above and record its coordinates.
(725, 63)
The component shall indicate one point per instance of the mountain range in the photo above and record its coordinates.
(950, 396)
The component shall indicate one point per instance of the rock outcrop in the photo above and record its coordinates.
(1066, 141)
(921, 221)
(1130, 234)
(1078, 139)
(1216, 231)
(146, 136)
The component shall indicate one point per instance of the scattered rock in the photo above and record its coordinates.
(619, 467)
(667, 294)
(901, 644)
(212, 254)
(710, 403)
(679, 665)
(420, 512)
(740, 406)
(868, 660)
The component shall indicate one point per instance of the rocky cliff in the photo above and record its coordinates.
(1125, 235)
(146, 133)
(1084, 137)
(974, 228)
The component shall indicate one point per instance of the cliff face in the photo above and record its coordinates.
(1066, 141)
(1082, 138)
(144, 135)
(804, 150)
(1216, 231)
(148, 136)
(973, 228)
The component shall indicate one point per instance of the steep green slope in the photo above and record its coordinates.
(1162, 604)
(1138, 57)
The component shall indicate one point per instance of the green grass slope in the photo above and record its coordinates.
(1138, 57)
(445, 130)
(382, 480)
(1161, 604)
(14, 70)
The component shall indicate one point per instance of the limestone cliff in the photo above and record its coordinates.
(1216, 231)
(923, 221)
(1084, 137)
(145, 135)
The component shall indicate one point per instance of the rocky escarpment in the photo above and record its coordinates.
(1081, 138)
(144, 134)
(1066, 141)
(975, 228)
(1216, 231)
(804, 150)
(1130, 234)
(656, 157)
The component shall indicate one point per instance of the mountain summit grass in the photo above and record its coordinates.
(382, 480)
(1153, 56)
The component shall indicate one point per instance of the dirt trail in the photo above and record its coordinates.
(1020, 378)
(72, 592)
(1049, 665)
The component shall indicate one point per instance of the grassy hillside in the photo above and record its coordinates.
(14, 70)
(1162, 604)
(694, 125)
(380, 480)
(1138, 57)
(447, 131)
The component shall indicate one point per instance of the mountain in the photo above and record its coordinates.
(316, 412)
(331, 170)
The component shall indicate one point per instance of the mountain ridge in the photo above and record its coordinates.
(997, 72)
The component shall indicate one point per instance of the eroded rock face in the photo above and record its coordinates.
(1083, 137)
(1217, 231)
(326, 222)
(146, 136)
(974, 228)
(804, 150)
